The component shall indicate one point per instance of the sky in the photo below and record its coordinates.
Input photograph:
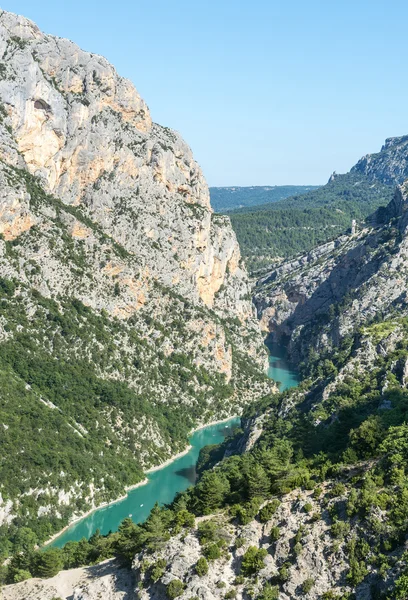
(267, 92)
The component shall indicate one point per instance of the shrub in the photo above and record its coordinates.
(201, 567)
(231, 594)
(308, 507)
(158, 569)
(339, 529)
(253, 560)
(270, 592)
(212, 552)
(317, 493)
(337, 490)
(298, 548)
(207, 532)
(307, 585)
(283, 573)
(266, 513)
(275, 533)
(175, 589)
(357, 572)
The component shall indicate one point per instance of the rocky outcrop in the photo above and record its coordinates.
(390, 165)
(316, 561)
(106, 580)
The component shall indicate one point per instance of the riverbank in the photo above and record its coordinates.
(88, 513)
(104, 505)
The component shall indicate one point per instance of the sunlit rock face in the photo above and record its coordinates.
(87, 133)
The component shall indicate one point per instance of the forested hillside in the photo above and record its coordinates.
(225, 199)
(298, 224)
(310, 499)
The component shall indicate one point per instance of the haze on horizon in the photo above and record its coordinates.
(264, 93)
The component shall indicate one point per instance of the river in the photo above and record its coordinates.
(163, 484)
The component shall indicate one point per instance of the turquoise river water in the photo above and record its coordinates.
(177, 476)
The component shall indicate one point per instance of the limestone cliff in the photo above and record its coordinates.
(113, 268)
(88, 135)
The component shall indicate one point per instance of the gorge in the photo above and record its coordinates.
(165, 482)
(128, 320)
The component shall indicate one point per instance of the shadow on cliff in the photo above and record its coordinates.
(353, 270)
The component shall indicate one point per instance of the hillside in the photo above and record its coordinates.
(296, 225)
(225, 199)
(125, 313)
(310, 499)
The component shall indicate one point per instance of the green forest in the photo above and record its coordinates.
(225, 199)
(63, 386)
(297, 224)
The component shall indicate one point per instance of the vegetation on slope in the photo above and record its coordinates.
(224, 199)
(350, 449)
(297, 224)
(66, 391)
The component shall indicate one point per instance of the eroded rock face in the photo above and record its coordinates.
(87, 133)
(319, 298)
(390, 165)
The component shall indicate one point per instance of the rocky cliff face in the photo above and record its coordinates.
(87, 134)
(321, 297)
(113, 264)
(390, 165)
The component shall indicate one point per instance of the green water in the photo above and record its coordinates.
(280, 369)
(162, 487)
(164, 483)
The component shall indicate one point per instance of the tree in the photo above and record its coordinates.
(21, 575)
(49, 562)
(211, 491)
(154, 530)
(401, 587)
(258, 482)
(24, 540)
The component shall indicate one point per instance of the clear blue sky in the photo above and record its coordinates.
(265, 92)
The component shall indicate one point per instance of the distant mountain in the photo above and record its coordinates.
(390, 165)
(285, 228)
(224, 199)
